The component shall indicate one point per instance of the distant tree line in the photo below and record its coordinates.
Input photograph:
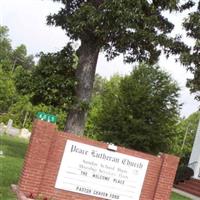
(139, 111)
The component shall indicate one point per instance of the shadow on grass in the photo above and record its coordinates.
(13, 146)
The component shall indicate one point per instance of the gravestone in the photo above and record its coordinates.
(10, 123)
(25, 133)
(10, 130)
(194, 161)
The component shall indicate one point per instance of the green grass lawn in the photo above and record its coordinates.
(176, 196)
(10, 166)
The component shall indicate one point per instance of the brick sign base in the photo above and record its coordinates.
(45, 153)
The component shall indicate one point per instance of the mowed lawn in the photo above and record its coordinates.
(14, 150)
(11, 162)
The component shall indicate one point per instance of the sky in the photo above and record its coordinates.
(26, 20)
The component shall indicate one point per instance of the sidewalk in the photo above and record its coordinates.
(193, 197)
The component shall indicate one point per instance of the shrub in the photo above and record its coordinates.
(183, 173)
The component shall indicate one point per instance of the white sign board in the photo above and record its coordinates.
(99, 172)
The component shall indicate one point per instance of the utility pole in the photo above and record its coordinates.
(185, 136)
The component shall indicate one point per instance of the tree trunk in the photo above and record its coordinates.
(25, 118)
(85, 74)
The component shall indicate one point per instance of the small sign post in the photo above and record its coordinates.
(46, 117)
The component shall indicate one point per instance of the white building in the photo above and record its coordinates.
(194, 161)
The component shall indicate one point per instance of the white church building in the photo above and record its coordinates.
(194, 161)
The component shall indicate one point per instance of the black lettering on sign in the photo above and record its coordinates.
(114, 196)
(101, 177)
(74, 148)
(118, 181)
(83, 173)
(83, 189)
(132, 164)
(123, 176)
(100, 193)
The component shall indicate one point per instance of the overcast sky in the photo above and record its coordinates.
(26, 20)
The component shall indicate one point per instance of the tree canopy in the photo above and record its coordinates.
(137, 29)
(7, 91)
(11, 58)
(21, 80)
(5, 46)
(52, 80)
(186, 132)
(139, 111)
(192, 59)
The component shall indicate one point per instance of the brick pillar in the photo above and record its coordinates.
(166, 177)
(36, 157)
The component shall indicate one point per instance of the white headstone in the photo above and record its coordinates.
(24, 133)
(10, 123)
(194, 161)
(10, 130)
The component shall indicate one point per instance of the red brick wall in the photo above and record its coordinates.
(44, 156)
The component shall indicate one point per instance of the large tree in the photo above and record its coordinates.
(51, 81)
(137, 29)
(192, 58)
(19, 57)
(5, 46)
(11, 58)
(138, 111)
(8, 94)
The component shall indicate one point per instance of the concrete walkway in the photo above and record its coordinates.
(185, 194)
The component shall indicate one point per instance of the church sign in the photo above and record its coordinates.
(74, 167)
(101, 173)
